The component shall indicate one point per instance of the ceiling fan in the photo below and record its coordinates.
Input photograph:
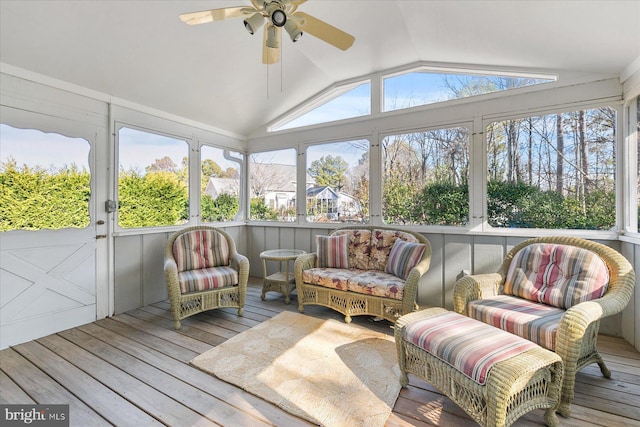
(276, 14)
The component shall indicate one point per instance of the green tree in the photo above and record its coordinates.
(223, 208)
(330, 171)
(153, 199)
(34, 198)
(260, 211)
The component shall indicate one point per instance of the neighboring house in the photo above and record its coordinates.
(276, 183)
(335, 205)
(217, 186)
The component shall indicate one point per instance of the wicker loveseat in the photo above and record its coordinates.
(364, 270)
(204, 271)
(552, 291)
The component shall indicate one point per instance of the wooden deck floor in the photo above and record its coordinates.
(133, 370)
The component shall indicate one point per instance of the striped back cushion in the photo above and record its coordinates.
(332, 251)
(558, 275)
(381, 244)
(403, 257)
(470, 346)
(200, 249)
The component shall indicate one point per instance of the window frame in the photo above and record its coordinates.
(613, 233)
(227, 154)
(303, 167)
(479, 71)
(249, 195)
(472, 217)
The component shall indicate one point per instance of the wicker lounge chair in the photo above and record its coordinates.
(204, 271)
(574, 331)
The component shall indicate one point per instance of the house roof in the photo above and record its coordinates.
(138, 52)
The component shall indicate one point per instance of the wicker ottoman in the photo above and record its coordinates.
(494, 378)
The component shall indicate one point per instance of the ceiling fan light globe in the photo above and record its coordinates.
(294, 32)
(278, 18)
(272, 40)
(254, 22)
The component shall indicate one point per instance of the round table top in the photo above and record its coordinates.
(281, 254)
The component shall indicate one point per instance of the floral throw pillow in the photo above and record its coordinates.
(403, 257)
(332, 251)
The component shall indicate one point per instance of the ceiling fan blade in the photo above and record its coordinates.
(205, 16)
(293, 5)
(320, 29)
(271, 55)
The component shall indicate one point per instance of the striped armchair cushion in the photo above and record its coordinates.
(200, 249)
(558, 275)
(530, 320)
(470, 346)
(207, 278)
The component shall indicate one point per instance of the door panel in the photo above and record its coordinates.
(47, 275)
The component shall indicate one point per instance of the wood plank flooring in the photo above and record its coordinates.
(133, 370)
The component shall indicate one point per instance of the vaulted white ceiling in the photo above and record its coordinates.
(139, 51)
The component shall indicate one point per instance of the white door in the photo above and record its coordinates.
(48, 246)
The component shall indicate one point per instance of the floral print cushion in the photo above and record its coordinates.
(359, 248)
(381, 244)
(335, 278)
(374, 283)
(377, 284)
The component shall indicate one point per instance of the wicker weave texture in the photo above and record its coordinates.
(528, 381)
(185, 305)
(576, 339)
(355, 304)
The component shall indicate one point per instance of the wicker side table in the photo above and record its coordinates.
(524, 382)
(283, 280)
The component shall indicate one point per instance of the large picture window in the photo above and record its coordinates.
(337, 188)
(45, 180)
(553, 171)
(428, 86)
(153, 179)
(219, 184)
(425, 177)
(272, 183)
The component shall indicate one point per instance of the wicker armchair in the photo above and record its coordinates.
(204, 271)
(577, 329)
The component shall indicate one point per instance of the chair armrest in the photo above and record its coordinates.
(240, 263)
(477, 286)
(304, 262)
(171, 277)
(411, 284)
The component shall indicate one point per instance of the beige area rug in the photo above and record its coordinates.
(325, 371)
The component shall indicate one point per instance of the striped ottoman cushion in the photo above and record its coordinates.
(207, 278)
(471, 347)
(530, 320)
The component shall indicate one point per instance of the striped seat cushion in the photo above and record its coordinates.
(471, 347)
(530, 320)
(558, 275)
(200, 249)
(207, 278)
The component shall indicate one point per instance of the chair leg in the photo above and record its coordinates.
(176, 324)
(240, 311)
(603, 368)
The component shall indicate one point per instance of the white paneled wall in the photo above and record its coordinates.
(140, 279)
